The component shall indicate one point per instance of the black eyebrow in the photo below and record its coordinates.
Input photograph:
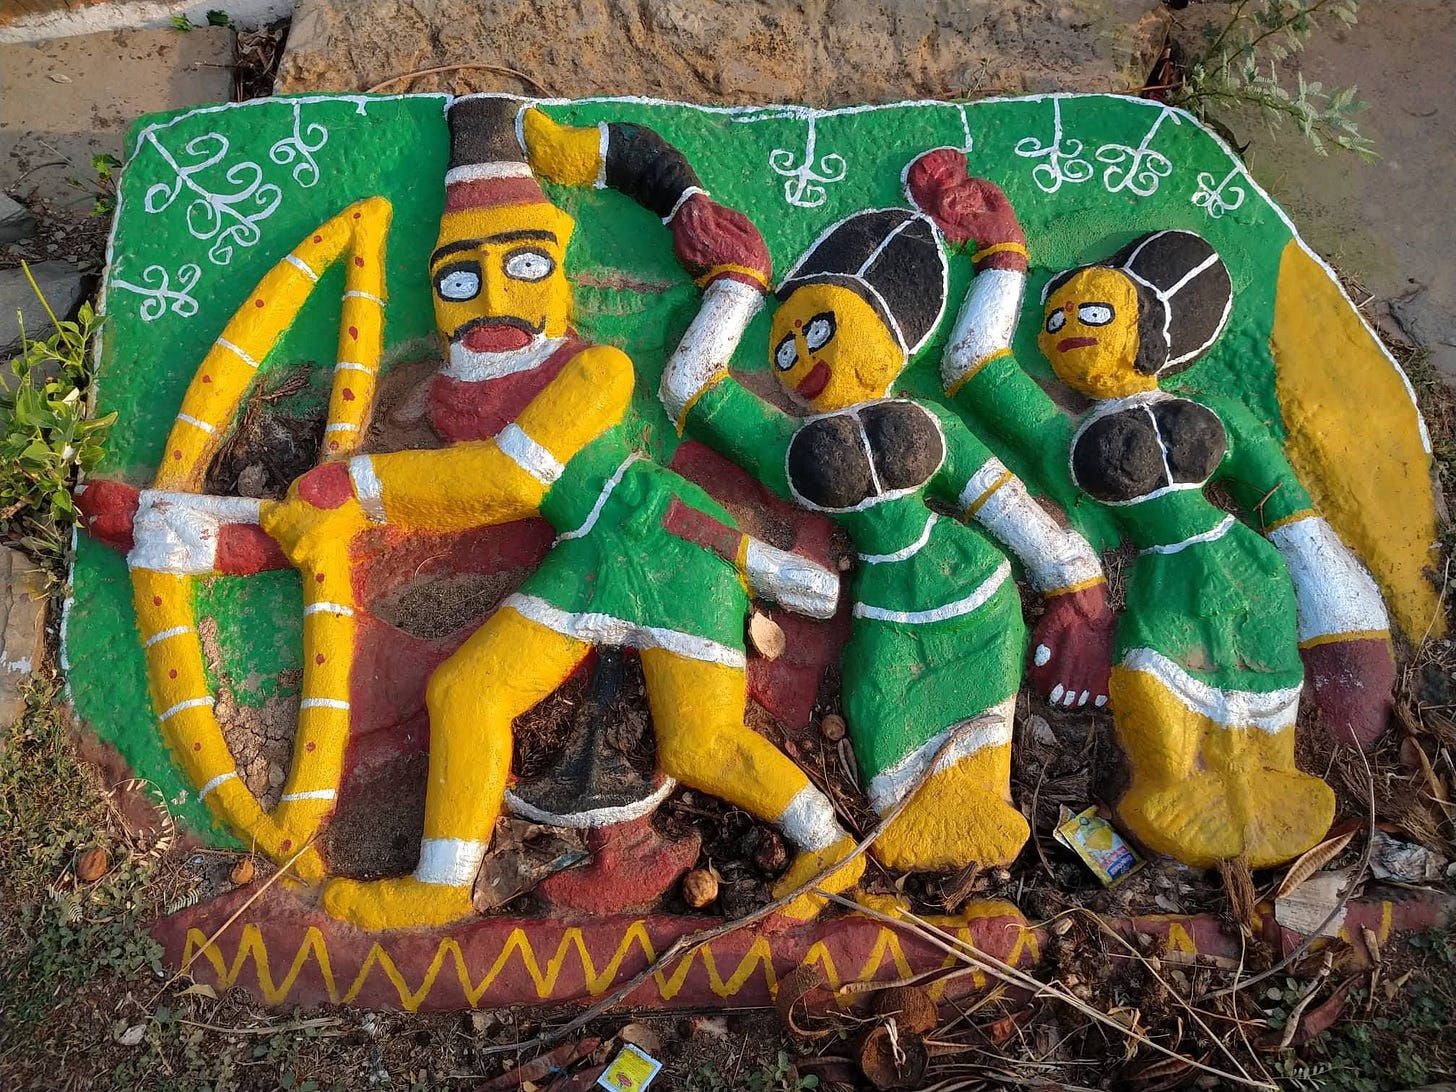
(502, 237)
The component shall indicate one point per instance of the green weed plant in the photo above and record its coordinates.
(47, 435)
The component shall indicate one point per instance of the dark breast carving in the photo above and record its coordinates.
(839, 461)
(1125, 455)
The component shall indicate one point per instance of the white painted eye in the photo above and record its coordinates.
(786, 354)
(459, 284)
(1056, 320)
(529, 265)
(1095, 314)
(819, 331)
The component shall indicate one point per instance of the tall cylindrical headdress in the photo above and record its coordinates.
(488, 167)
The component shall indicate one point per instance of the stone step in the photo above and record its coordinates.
(40, 20)
(70, 99)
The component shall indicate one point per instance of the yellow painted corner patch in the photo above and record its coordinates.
(1356, 439)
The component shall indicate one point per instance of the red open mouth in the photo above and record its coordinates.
(815, 382)
(495, 337)
(1075, 343)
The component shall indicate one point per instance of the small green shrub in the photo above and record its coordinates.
(1238, 67)
(47, 435)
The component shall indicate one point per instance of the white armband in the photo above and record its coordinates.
(1335, 593)
(791, 580)
(1054, 557)
(985, 325)
(177, 533)
(709, 343)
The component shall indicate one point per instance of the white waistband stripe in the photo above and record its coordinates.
(329, 608)
(302, 266)
(603, 629)
(1269, 711)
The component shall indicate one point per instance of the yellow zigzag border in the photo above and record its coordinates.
(251, 946)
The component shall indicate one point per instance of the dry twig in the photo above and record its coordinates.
(953, 945)
(439, 69)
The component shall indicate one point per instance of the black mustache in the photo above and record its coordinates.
(498, 320)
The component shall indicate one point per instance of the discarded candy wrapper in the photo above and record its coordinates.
(631, 1070)
(1101, 848)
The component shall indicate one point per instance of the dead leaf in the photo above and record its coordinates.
(767, 638)
(92, 865)
(59, 77)
(642, 1036)
(133, 1035)
(710, 1027)
(793, 989)
(199, 989)
(525, 1076)
(1041, 731)
(1311, 861)
(1315, 1022)
(1159, 1076)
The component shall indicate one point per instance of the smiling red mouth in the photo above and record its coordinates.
(1075, 343)
(814, 383)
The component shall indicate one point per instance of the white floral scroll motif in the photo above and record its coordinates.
(1062, 155)
(1137, 169)
(159, 294)
(1212, 200)
(805, 182)
(296, 149)
(225, 219)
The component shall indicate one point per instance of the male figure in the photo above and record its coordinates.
(643, 558)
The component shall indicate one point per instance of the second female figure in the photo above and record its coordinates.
(936, 650)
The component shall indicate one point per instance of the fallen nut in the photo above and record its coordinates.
(92, 865)
(242, 871)
(699, 888)
(833, 727)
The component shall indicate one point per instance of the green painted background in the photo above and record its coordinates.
(211, 199)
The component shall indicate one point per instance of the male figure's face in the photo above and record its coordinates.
(499, 279)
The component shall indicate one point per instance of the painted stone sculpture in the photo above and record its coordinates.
(935, 655)
(1208, 672)
(281, 684)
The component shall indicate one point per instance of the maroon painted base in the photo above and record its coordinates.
(282, 949)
